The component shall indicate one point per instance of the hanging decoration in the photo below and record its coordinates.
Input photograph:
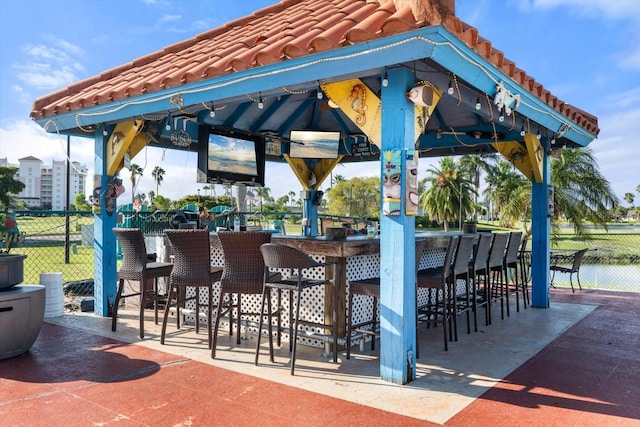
(391, 188)
(411, 182)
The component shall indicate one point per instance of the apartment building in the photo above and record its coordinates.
(45, 185)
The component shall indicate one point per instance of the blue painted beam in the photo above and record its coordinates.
(540, 242)
(397, 242)
(104, 241)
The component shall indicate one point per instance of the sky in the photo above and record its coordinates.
(586, 52)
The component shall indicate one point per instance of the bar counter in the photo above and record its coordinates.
(358, 258)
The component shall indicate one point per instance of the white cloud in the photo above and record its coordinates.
(169, 18)
(595, 9)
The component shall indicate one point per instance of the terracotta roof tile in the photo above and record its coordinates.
(400, 22)
(289, 29)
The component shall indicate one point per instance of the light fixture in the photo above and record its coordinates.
(538, 136)
(135, 125)
(501, 117)
(167, 127)
(450, 88)
(478, 106)
(260, 102)
(104, 132)
(553, 140)
(477, 134)
(212, 112)
(385, 78)
(522, 131)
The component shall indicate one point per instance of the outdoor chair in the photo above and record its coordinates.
(495, 271)
(479, 275)
(137, 267)
(524, 261)
(462, 258)
(575, 260)
(511, 281)
(437, 281)
(191, 269)
(242, 275)
(370, 288)
(296, 263)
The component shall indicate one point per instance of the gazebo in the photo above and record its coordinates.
(398, 79)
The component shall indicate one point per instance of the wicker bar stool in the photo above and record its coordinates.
(242, 274)
(191, 268)
(295, 261)
(137, 267)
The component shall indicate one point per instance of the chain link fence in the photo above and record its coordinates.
(62, 241)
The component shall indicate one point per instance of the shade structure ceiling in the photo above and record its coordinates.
(265, 74)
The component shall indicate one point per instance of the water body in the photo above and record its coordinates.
(599, 276)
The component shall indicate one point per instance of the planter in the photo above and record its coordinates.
(469, 227)
(11, 270)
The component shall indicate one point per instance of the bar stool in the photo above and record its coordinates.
(242, 275)
(462, 258)
(510, 264)
(137, 267)
(370, 288)
(191, 269)
(294, 261)
(438, 280)
(478, 270)
(495, 270)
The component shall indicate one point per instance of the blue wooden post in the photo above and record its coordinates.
(397, 241)
(104, 241)
(311, 213)
(540, 242)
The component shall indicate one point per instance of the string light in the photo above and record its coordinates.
(104, 132)
(501, 117)
(478, 106)
(385, 78)
(212, 113)
(167, 127)
(260, 102)
(331, 59)
(522, 132)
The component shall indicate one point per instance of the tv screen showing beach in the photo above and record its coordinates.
(314, 144)
(228, 154)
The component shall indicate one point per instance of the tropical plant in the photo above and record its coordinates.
(136, 171)
(158, 176)
(292, 195)
(9, 185)
(475, 165)
(355, 197)
(581, 193)
(503, 183)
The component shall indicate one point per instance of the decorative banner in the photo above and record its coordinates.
(526, 157)
(360, 104)
(392, 189)
(411, 182)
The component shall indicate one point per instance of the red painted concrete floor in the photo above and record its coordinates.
(589, 376)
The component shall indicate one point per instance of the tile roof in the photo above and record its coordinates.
(289, 29)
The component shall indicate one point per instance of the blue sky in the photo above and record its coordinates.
(586, 52)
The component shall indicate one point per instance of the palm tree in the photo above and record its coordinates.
(292, 195)
(263, 194)
(136, 171)
(206, 188)
(450, 193)
(581, 192)
(158, 176)
(503, 181)
(152, 195)
(475, 164)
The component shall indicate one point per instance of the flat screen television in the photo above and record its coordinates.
(228, 156)
(308, 144)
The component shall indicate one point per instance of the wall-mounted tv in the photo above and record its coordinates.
(228, 156)
(307, 144)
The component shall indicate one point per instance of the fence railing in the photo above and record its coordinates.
(62, 241)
